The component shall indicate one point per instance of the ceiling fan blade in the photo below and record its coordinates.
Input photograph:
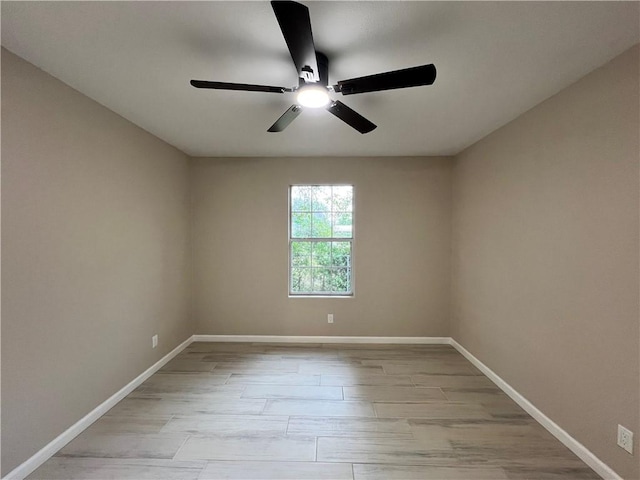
(238, 86)
(295, 24)
(351, 117)
(286, 118)
(408, 77)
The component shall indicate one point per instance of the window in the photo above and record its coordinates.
(320, 240)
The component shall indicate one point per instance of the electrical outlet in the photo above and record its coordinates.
(154, 341)
(625, 439)
(330, 318)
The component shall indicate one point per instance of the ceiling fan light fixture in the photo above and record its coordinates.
(313, 96)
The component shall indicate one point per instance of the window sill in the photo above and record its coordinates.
(321, 296)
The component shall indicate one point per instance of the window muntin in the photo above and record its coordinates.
(320, 240)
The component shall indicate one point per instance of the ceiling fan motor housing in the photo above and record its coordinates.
(323, 72)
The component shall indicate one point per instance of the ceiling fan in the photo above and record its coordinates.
(313, 68)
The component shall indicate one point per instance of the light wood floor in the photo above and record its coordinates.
(358, 412)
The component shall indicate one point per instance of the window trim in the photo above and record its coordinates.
(351, 240)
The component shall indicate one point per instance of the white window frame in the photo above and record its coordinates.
(348, 294)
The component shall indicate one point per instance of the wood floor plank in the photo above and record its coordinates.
(69, 468)
(475, 395)
(227, 425)
(393, 394)
(419, 360)
(399, 354)
(322, 356)
(223, 347)
(498, 443)
(180, 365)
(292, 391)
(123, 446)
(277, 471)
(385, 450)
(424, 472)
(129, 424)
(273, 379)
(265, 366)
(354, 380)
(261, 363)
(325, 368)
(211, 393)
(248, 448)
(554, 473)
(240, 357)
(548, 456)
(319, 408)
(305, 352)
(350, 427)
(457, 381)
(427, 368)
(394, 347)
(504, 407)
(479, 432)
(186, 406)
(430, 410)
(195, 382)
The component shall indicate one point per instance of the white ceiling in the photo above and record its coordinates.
(495, 60)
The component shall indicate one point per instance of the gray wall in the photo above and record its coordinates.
(545, 268)
(401, 247)
(94, 255)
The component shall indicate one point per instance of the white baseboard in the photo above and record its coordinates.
(556, 430)
(24, 469)
(314, 339)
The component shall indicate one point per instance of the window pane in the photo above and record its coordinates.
(300, 225)
(301, 280)
(342, 280)
(321, 226)
(321, 256)
(301, 198)
(343, 198)
(301, 254)
(341, 254)
(342, 225)
(321, 278)
(321, 198)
